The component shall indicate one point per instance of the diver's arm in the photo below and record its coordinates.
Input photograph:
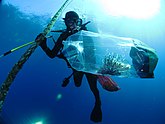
(48, 51)
(52, 53)
(41, 40)
(58, 45)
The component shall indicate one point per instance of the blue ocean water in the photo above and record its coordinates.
(36, 93)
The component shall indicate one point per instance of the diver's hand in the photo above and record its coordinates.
(40, 38)
(41, 41)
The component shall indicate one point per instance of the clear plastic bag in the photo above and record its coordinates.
(110, 55)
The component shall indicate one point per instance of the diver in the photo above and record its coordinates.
(73, 25)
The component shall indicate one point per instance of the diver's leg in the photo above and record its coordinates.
(92, 80)
(77, 76)
(96, 114)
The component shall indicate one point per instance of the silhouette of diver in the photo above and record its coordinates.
(73, 25)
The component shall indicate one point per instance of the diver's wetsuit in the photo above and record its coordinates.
(77, 75)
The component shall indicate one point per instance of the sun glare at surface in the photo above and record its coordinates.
(139, 9)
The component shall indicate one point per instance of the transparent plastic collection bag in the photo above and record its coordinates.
(103, 54)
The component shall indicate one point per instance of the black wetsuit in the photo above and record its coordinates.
(77, 75)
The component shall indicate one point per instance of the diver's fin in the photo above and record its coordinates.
(108, 84)
(66, 80)
(96, 115)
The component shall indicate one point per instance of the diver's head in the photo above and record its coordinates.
(72, 20)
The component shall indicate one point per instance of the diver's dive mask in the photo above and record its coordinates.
(72, 23)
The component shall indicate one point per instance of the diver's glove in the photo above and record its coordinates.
(41, 41)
